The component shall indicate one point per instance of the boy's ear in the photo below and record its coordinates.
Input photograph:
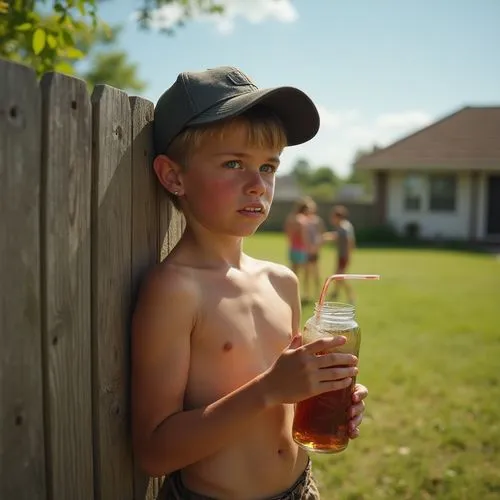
(169, 174)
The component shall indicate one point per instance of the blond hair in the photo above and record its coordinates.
(264, 130)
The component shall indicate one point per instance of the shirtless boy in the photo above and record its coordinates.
(217, 357)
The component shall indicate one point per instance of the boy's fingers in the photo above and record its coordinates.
(357, 409)
(324, 344)
(355, 422)
(360, 392)
(296, 341)
(336, 359)
(353, 431)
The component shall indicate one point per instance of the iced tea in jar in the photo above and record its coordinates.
(321, 422)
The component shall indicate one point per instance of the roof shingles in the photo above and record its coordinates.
(467, 139)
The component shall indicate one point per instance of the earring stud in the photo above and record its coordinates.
(176, 193)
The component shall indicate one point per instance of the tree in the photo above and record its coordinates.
(106, 64)
(363, 177)
(188, 8)
(112, 68)
(318, 182)
(302, 171)
(321, 192)
(47, 41)
(323, 175)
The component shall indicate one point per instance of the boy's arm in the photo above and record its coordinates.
(330, 236)
(166, 438)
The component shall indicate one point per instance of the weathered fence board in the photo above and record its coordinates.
(145, 240)
(111, 275)
(22, 455)
(171, 223)
(66, 173)
(145, 236)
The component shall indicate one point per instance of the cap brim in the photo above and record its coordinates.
(292, 106)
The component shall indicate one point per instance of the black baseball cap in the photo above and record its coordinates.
(198, 98)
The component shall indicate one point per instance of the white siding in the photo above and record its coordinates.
(432, 224)
(482, 201)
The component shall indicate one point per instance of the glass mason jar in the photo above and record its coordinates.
(321, 422)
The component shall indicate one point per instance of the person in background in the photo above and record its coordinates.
(315, 230)
(345, 239)
(296, 230)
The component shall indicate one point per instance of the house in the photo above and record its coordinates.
(443, 180)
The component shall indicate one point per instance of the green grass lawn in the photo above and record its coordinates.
(430, 356)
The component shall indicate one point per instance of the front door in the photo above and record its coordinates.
(493, 207)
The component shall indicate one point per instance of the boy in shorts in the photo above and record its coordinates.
(217, 355)
(345, 239)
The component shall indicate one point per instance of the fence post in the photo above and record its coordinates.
(145, 237)
(65, 250)
(22, 454)
(111, 292)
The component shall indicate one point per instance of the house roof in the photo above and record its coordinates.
(468, 139)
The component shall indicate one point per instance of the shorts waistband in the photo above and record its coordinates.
(299, 488)
(174, 489)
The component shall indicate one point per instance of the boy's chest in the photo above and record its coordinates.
(238, 335)
(249, 325)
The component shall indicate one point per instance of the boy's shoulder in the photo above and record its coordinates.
(274, 270)
(349, 226)
(168, 280)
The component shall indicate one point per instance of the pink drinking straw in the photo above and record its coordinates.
(340, 277)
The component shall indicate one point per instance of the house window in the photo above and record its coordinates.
(443, 193)
(413, 190)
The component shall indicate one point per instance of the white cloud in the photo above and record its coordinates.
(254, 11)
(336, 119)
(342, 132)
(402, 120)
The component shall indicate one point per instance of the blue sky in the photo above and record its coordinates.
(376, 69)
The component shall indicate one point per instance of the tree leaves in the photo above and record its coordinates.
(58, 39)
(24, 27)
(44, 41)
(39, 39)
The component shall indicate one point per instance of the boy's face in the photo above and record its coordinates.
(228, 186)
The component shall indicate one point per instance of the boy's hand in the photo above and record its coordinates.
(299, 373)
(358, 408)
(329, 236)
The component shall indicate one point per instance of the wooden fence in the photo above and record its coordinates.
(81, 218)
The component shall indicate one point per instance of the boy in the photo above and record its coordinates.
(346, 242)
(217, 360)
(315, 230)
